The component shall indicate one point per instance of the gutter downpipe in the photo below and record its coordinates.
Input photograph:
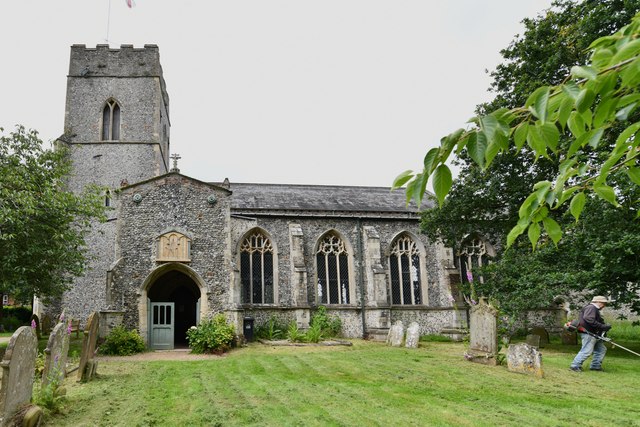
(361, 279)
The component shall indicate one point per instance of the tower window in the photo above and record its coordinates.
(111, 121)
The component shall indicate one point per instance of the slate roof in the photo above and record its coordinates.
(320, 198)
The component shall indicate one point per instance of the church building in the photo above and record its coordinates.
(176, 250)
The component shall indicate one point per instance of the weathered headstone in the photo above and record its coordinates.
(55, 363)
(542, 333)
(18, 365)
(533, 340)
(413, 335)
(88, 365)
(483, 334)
(524, 359)
(35, 321)
(47, 324)
(396, 334)
(569, 338)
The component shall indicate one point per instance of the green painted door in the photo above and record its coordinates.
(162, 320)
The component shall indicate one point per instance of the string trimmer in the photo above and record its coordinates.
(575, 327)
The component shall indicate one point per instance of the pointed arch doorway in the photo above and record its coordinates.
(173, 307)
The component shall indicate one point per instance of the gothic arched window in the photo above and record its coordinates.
(256, 269)
(404, 266)
(474, 252)
(111, 121)
(332, 263)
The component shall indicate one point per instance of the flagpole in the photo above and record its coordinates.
(108, 22)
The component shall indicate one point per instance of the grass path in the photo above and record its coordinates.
(368, 384)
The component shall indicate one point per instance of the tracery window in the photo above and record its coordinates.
(473, 253)
(332, 263)
(404, 266)
(111, 121)
(256, 269)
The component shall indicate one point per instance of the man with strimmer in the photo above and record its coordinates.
(591, 320)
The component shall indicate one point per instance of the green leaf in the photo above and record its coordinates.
(520, 134)
(606, 193)
(410, 190)
(430, 159)
(627, 51)
(515, 232)
(536, 140)
(585, 99)
(577, 204)
(571, 89)
(551, 135)
(634, 175)
(584, 72)
(537, 103)
(476, 146)
(442, 181)
(488, 125)
(604, 111)
(626, 134)
(492, 150)
(623, 113)
(564, 111)
(594, 136)
(631, 74)
(576, 124)
(534, 234)
(528, 206)
(602, 57)
(553, 229)
(402, 179)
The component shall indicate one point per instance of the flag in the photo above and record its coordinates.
(130, 3)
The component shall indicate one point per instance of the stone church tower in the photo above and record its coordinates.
(117, 129)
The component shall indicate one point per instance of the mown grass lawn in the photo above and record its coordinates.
(367, 384)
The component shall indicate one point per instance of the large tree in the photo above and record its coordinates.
(42, 225)
(489, 193)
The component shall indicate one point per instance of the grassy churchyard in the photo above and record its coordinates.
(367, 384)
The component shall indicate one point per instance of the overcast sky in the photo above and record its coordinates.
(348, 92)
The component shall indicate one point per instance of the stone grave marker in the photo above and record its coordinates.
(413, 335)
(542, 333)
(55, 363)
(88, 365)
(36, 321)
(569, 338)
(533, 340)
(47, 324)
(18, 366)
(524, 359)
(396, 334)
(483, 334)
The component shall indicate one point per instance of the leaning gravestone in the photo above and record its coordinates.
(18, 365)
(88, 364)
(542, 333)
(483, 334)
(396, 334)
(47, 324)
(569, 338)
(413, 335)
(533, 340)
(55, 363)
(524, 359)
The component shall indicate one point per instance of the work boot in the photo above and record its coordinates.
(596, 369)
(575, 369)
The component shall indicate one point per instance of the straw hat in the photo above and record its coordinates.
(602, 299)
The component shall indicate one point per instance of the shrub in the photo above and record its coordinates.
(330, 326)
(23, 314)
(314, 334)
(294, 334)
(211, 336)
(122, 342)
(271, 330)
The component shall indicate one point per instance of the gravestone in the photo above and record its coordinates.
(533, 340)
(483, 334)
(569, 338)
(36, 321)
(413, 335)
(55, 363)
(524, 359)
(542, 333)
(18, 365)
(47, 324)
(88, 365)
(396, 334)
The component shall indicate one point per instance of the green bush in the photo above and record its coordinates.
(211, 336)
(122, 342)
(272, 330)
(23, 314)
(294, 334)
(10, 324)
(329, 326)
